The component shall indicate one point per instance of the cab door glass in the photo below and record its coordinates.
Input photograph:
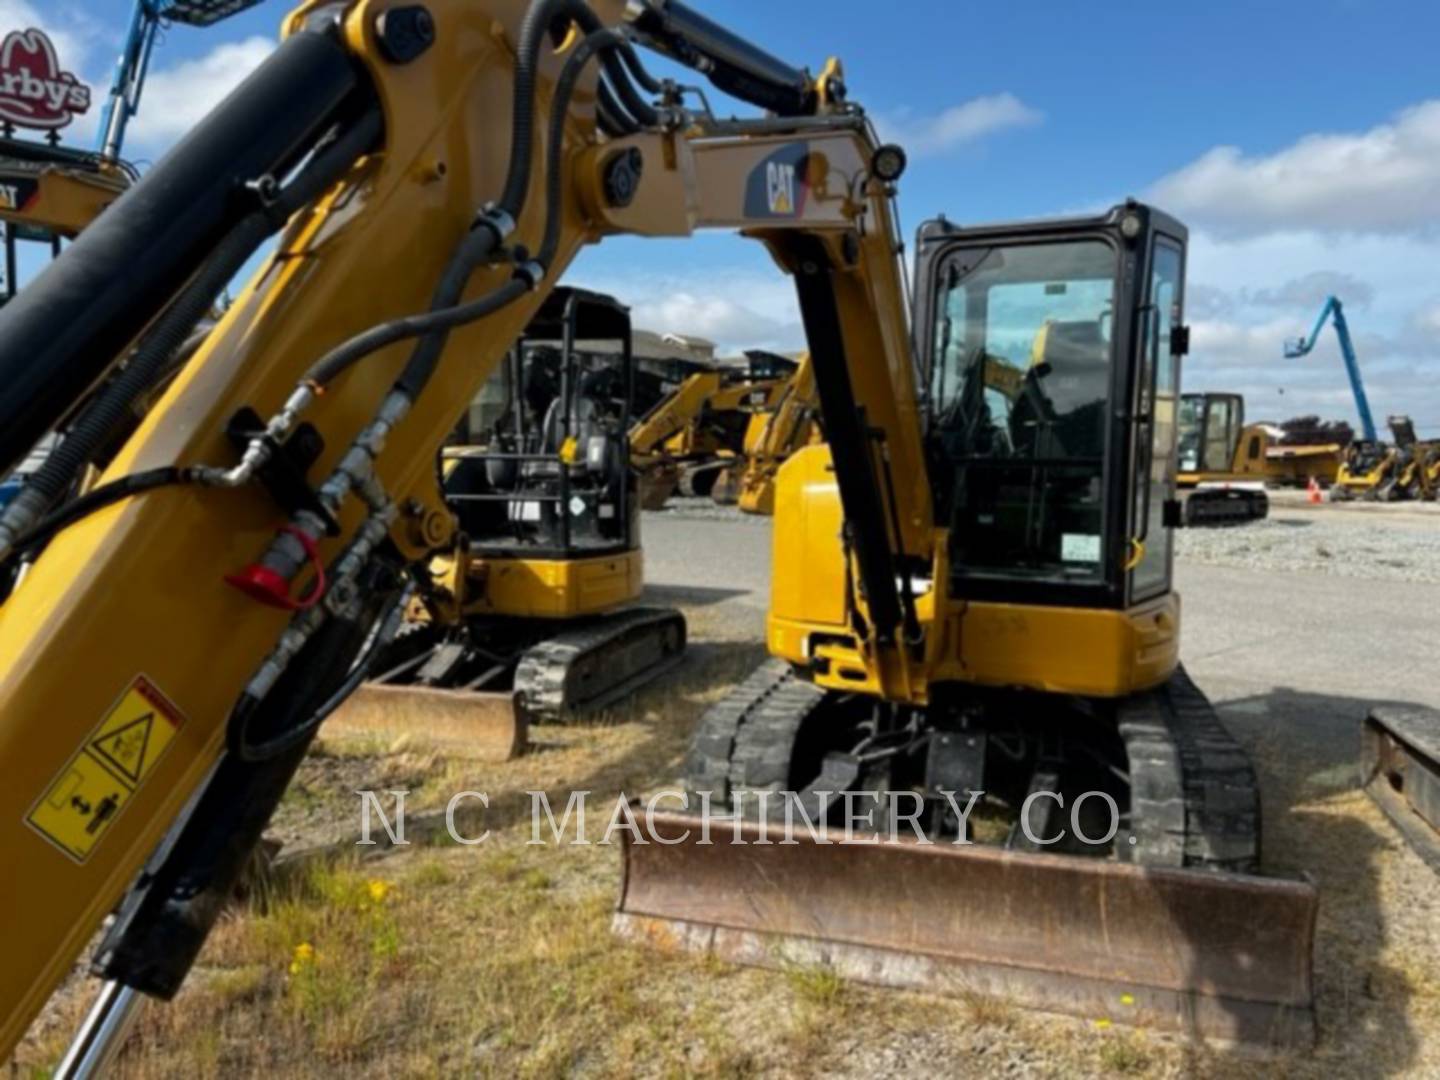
(1155, 462)
(1019, 393)
(1219, 435)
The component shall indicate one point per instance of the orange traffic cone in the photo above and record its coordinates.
(1312, 491)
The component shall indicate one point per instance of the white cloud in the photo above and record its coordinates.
(730, 323)
(178, 97)
(931, 134)
(1385, 180)
(1312, 289)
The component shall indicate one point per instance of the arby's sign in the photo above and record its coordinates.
(34, 91)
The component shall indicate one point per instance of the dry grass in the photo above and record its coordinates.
(497, 960)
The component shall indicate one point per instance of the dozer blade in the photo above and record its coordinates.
(486, 727)
(1400, 770)
(1216, 955)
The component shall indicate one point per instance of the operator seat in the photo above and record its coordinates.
(1060, 411)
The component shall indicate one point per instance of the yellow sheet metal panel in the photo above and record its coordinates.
(559, 589)
(1085, 651)
(807, 578)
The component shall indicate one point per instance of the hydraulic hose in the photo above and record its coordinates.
(99, 498)
(152, 356)
(238, 731)
(613, 118)
(446, 312)
(607, 41)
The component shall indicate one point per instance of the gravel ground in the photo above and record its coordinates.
(1394, 545)
(1361, 540)
(680, 508)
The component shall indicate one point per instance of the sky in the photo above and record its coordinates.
(1298, 139)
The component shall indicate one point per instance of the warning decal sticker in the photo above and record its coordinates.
(78, 807)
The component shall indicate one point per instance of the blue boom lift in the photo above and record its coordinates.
(147, 17)
(1297, 347)
(1371, 468)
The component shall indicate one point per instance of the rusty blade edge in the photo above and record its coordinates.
(1045, 920)
(1197, 1015)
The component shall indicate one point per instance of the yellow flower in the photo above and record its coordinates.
(304, 956)
(378, 890)
(1127, 999)
(1102, 1024)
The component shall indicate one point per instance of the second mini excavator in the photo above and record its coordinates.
(530, 616)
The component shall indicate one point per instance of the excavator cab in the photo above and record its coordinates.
(1051, 370)
(1224, 486)
(550, 474)
(527, 618)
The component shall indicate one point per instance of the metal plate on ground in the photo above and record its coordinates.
(1215, 955)
(1400, 770)
(486, 727)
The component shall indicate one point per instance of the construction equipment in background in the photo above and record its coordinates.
(696, 435)
(48, 193)
(528, 619)
(1369, 463)
(971, 589)
(1415, 473)
(1222, 464)
(1302, 450)
(793, 423)
(663, 362)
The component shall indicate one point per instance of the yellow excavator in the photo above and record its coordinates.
(1222, 462)
(694, 438)
(49, 193)
(531, 617)
(773, 436)
(967, 591)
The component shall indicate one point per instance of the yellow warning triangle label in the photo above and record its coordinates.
(76, 811)
(125, 746)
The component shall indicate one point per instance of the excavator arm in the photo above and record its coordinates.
(177, 634)
(787, 427)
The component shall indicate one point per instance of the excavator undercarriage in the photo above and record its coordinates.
(1155, 925)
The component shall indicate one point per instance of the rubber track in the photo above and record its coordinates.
(744, 741)
(1194, 800)
(542, 675)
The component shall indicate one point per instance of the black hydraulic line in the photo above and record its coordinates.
(613, 118)
(580, 57)
(730, 62)
(99, 498)
(636, 105)
(627, 53)
(151, 357)
(446, 312)
(65, 329)
(242, 720)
